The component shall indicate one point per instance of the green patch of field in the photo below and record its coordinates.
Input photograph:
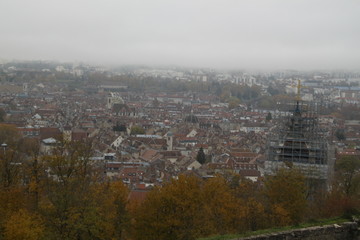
(313, 223)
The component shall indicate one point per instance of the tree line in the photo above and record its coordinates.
(225, 91)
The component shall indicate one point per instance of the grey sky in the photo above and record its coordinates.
(298, 34)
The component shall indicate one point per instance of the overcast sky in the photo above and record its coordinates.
(261, 34)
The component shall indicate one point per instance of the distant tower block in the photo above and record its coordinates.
(169, 141)
(67, 133)
(25, 87)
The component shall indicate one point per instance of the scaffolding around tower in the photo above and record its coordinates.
(298, 141)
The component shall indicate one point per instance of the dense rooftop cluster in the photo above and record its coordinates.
(146, 137)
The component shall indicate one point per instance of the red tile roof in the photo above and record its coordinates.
(137, 195)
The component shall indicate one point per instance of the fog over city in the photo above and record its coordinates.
(258, 34)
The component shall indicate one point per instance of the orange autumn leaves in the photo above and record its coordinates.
(185, 208)
(60, 196)
(23, 225)
(189, 208)
(74, 203)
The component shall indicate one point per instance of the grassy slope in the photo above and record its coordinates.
(273, 230)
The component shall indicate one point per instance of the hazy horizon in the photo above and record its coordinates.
(246, 34)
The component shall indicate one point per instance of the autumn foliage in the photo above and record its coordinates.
(66, 196)
(286, 196)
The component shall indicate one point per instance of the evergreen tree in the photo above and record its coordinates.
(340, 134)
(201, 158)
(269, 117)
